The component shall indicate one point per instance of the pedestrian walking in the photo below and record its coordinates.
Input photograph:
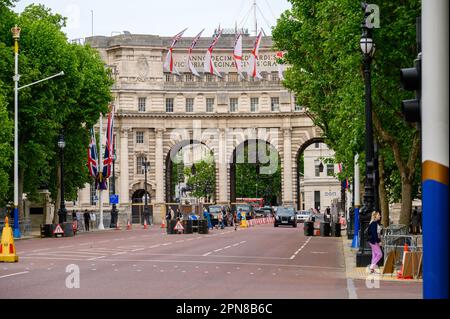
(220, 220)
(168, 216)
(208, 218)
(235, 220)
(374, 240)
(93, 220)
(87, 218)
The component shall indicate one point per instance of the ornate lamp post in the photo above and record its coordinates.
(368, 49)
(62, 210)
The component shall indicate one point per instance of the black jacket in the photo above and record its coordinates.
(373, 233)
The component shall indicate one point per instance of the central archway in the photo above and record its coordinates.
(255, 172)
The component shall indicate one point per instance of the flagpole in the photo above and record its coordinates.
(100, 162)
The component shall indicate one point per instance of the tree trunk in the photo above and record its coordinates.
(405, 214)
(384, 203)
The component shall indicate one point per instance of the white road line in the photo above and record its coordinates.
(226, 247)
(138, 249)
(60, 255)
(206, 254)
(119, 253)
(94, 258)
(235, 245)
(300, 249)
(154, 246)
(216, 250)
(84, 244)
(351, 289)
(167, 244)
(17, 273)
(36, 250)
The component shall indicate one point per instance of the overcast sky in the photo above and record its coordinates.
(160, 17)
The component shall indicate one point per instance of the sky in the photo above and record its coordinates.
(160, 17)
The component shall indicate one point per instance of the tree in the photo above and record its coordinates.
(322, 41)
(69, 104)
(6, 150)
(203, 182)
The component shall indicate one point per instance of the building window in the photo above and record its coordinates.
(264, 75)
(232, 77)
(140, 164)
(317, 168)
(141, 104)
(275, 76)
(189, 105)
(169, 105)
(93, 194)
(210, 105)
(139, 137)
(316, 199)
(297, 107)
(254, 102)
(209, 77)
(330, 170)
(233, 104)
(189, 77)
(168, 77)
(316, 145)
(275, 104)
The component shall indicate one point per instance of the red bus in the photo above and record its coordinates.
(257, 203)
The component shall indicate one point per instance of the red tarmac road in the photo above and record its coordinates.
(258, 262)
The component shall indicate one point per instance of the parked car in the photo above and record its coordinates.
(268, 211)
(303, 216)
(285, 216)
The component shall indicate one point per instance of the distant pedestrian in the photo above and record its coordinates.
(168, 216)
(220, 220)
(179, 214)
(374, 240)
(93, 220)
(415, 222)
(87, 218)
(235, 220)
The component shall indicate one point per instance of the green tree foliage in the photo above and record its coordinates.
(252, 182)
(69, 104)
(322, 40)
(203, 182)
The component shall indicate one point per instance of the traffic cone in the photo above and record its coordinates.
(145, 224)
(405, 247)
(128, 224)
(401, 271)
(163, 224)
(7, 248)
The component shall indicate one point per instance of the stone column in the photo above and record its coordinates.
(287, 167)
(159, 210)
(222, 166)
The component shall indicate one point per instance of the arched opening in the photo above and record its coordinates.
(317, 185)
(255, 172)
(190, 174)
(137, 207)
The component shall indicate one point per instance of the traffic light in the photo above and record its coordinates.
(411, 81)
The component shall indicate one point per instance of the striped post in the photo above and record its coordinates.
(434, 113)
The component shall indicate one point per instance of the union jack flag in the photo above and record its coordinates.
(109, 147)
(177, 37)
(92, 156)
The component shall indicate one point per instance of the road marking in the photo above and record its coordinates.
(17, 273)
(51, 255)
(300, 249)
(319, 252)
(216, 250)
(154, 246)
(35, 251)
(167, 244)
(138, 249)
(226, 247)
(351, 289)
(235, 245)
(94, 258)
(119, 253)
(85, 244)
(206, 254)
(53, 258)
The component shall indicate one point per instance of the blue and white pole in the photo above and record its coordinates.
(355, 242)
(434, 113)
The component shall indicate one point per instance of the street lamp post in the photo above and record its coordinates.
(16, 36)
(114, 208)
(62, 210)
(146, 210)
(368, 49)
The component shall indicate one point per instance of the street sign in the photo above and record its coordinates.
(114, 199)
(178, 226)
(58, 231)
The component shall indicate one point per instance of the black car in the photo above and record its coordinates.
(285, 216)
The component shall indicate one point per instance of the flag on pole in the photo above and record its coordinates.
(253, 61)
(209, 64)
(339, 167)
(169, 63)
(194, 42)
(237, 54)
(92, 155)
(109, 147)
(280, 63)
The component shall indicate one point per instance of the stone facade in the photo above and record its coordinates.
(158, 111)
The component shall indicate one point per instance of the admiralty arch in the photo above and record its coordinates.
(159, 112)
